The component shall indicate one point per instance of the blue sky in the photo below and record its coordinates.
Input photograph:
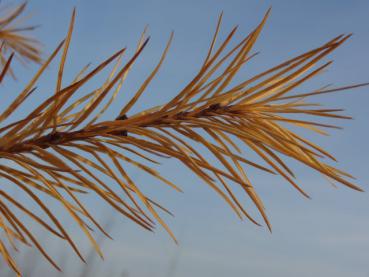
(325, 236)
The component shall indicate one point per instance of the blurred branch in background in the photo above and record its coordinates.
(14, 40)
(32, 267)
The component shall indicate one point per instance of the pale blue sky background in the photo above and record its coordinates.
(325, 236)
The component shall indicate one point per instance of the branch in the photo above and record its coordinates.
(62, 149)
